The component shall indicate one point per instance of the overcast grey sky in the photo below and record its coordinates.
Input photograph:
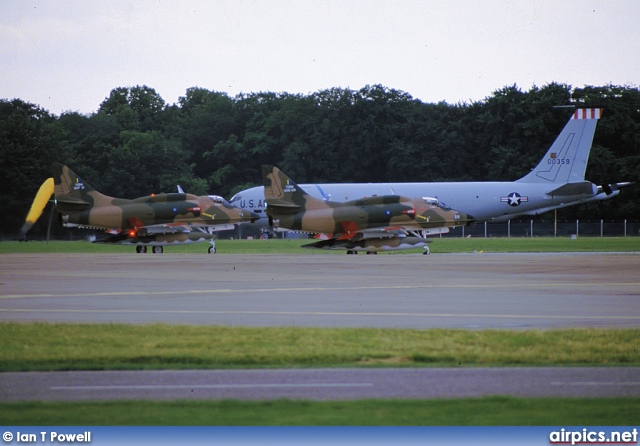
(68, 55)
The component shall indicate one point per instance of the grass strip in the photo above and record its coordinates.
(71, 346)
(292, 246)
(489, 411)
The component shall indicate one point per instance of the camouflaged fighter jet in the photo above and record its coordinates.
(372, 224)
(156, 220)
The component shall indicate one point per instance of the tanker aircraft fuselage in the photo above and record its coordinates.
(556, 182)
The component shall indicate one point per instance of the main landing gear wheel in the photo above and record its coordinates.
(157, 249)
(141, 249)
(211, 250)
(426, 251)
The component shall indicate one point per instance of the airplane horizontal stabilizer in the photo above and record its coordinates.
(72, 201)
(572, 189)
(280, 203)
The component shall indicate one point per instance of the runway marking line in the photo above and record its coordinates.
(211, 386)
(596, 383)
(318, 313)
(298, 289)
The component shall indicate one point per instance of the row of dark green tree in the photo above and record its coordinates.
(208, 142)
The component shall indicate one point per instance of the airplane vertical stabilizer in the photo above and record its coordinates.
(566, 159)
(282, 191)
(71, 190)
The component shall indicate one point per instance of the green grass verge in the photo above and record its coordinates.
(64, 346)
(490, 411)
(276, 246)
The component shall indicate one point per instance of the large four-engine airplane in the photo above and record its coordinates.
(372, 224)
(556, 182)
(156, 220)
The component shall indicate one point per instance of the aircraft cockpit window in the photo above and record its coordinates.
(236, 197)
(435, 202)
(216, 198)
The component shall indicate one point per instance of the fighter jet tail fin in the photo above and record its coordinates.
(71, 191)
(282, 192)
(566, 159)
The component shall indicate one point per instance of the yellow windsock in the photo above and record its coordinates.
(39, 203)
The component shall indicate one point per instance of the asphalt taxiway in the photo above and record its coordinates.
(321, 384)
(477, 291)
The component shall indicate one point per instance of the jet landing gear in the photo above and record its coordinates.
(212, 248)
(142, 249)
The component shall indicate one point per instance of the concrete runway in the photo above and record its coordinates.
(322, 384)
(477, 291)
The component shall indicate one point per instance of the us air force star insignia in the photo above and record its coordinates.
(514, 199)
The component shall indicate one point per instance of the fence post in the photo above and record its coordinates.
(577, 226)
(485, 229)
(601, 228)
(531, 229)
(509, 229)
(625, 227)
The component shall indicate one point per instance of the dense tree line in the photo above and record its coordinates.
(208, 142)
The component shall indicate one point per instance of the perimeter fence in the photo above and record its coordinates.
(546, 228)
